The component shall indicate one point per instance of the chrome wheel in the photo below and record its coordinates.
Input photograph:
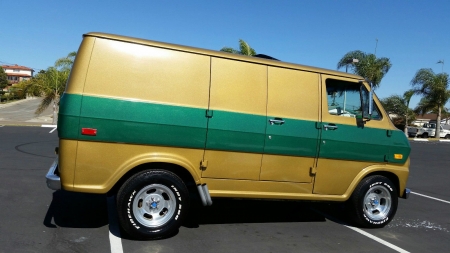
(377, 203)
(154, 205)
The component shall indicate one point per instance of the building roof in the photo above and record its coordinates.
(15, 66)
(427, 116)
(17, 74)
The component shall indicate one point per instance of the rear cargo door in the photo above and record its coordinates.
(237, 120)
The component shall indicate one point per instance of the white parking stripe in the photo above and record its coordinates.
(385, 243)
(445, 201)
(114, 231)
(390, 245)
(52, 126)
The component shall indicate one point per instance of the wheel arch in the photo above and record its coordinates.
(397, 175)
(182, 172)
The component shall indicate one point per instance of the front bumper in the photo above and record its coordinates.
(406, 193)
(52, 177)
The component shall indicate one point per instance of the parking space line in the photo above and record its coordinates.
(445, 201)
(390, 245)
(362, 232)
(51, 126)
(114, 231)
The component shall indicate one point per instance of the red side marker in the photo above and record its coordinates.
(89, 131)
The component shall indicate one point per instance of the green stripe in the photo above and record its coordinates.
(349, 142)
(69, 116)
(141, 123)
(236, 132)
(126, 121)
(293, 138)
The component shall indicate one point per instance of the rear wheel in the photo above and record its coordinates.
(152, 204)
(374, 202)
(425, 135)
(447, 136)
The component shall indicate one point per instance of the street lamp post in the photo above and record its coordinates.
(350, 61)
(441, 62)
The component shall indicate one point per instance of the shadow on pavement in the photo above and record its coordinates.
(77, 210)
(226, 211)
(82, 210)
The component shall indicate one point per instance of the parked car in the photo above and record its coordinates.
(428, 130)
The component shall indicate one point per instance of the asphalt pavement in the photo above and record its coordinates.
(34, 218)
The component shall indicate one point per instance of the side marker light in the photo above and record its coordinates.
(398, 156)
(89, 131)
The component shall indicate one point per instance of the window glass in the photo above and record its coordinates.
(343, 98)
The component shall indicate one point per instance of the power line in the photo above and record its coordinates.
(12, 64)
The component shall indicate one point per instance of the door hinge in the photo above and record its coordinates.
(203, 164)
(209, 113)
(313, 170)
(389, 133)
(319, 125)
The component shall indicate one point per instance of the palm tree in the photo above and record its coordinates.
(65, 63)
(399, 105)
(50, 84)
(370, 67)
(435, 93)
(244, 49)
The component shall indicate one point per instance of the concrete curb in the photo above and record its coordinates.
(432, 140)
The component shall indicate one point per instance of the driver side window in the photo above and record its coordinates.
(343, 98)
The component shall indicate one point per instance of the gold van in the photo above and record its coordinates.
(157, 123)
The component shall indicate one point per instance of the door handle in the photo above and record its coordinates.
(276, 121)
(330, 127)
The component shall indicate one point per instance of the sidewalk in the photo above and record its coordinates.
(21, 113)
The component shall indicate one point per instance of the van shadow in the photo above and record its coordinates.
(83, 210)
(77, 210)
(228, 211)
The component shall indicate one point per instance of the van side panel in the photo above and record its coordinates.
(139, 94)
(70, 102)
(77, 78)
(144, 73)
(101, 164)
(66, 164)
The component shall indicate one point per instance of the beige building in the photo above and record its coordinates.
(17, 73)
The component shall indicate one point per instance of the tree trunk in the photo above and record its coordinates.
(406, 125)
(54, 113)
(438, 124)
(55, 109)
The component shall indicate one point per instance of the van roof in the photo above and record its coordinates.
(220, 54)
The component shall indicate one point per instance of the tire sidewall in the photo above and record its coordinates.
(128, 194)
(367, 186)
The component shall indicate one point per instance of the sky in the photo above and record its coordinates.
(413, 34)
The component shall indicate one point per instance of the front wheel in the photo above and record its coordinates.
(425, 135)
(152, 204)
(374, 202)
(447, 136)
